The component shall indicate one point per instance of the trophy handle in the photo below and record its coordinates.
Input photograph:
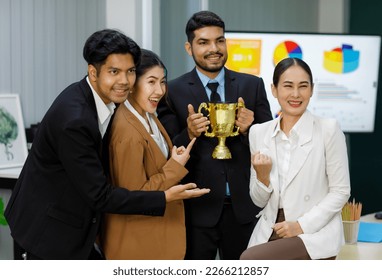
(240, 105)
(236, 128)
(203, 105)
(207, 108)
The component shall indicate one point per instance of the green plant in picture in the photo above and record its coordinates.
(8, 131)
(3, 221)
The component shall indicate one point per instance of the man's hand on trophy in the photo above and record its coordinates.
(245, 118)
(196, 123)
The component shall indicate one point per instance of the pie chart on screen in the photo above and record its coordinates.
(286, 49)
(341, 60)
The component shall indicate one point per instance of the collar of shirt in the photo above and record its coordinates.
(156, 134)
(104, 111)
(219, 78)
(297, 129)
(138, 116)
(277, 128)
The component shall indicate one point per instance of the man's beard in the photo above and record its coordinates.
(211, 69)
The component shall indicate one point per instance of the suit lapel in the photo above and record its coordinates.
(197, 89)
(231, 86)
(87, 91)
(302, 150)
(165, 135)
(136, 123)
(105, 146)
(89, 99)
(270, 150)
(153, 148)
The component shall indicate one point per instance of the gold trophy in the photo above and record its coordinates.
(222, 118)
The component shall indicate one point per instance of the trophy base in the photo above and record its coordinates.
(221, 152)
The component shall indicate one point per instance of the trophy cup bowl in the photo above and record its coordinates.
(222, 118)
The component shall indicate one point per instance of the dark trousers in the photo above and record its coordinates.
(228, 238)
(278, 248)
(25, 255)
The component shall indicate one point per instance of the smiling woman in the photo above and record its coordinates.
(140, 151)
(293, 88)
(299, 175)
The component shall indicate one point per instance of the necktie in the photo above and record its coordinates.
(215, 97)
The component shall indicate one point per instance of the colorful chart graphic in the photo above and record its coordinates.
(244, 55)
(341, 60)
(286, 49)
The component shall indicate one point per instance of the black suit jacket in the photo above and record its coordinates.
(56, 206)
(203, 169)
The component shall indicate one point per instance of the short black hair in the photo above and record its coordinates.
(148, 60)
(105, 42)
(285, 64)
(202, 19)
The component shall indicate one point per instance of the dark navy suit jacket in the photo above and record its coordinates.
(203, 169)
(57, 203)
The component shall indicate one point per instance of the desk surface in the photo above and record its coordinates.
(11, 173)
(362, 250)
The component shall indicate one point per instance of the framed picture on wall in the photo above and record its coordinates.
(13, 144)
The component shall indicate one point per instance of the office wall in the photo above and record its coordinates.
(139, 19)
(250, 15)
(41, 48)
(366, 148)
(124, 15)
(353, 16)
(41, 40)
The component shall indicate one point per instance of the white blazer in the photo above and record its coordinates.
(317, 187)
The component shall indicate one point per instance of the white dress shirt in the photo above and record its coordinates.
(285, 146)
(314, 189)
(156, 135)
(104, 111)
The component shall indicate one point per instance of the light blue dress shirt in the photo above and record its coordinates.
(221, 90)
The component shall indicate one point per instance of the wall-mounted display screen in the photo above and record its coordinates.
(345, 70)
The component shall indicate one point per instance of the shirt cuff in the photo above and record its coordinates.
(264, 187)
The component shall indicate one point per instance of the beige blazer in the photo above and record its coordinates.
(317, 187)
(137, 163)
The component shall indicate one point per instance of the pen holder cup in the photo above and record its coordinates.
(351, 231)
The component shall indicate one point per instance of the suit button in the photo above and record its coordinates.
(265, 217)
(306, 198)
(94, 220)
